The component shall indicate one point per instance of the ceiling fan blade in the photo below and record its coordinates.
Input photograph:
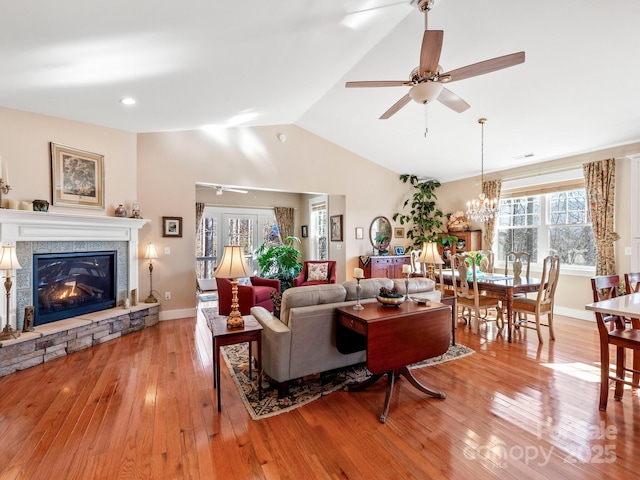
(481, 68)
(377, 83)
(430, 51)
(395, 107)
(453, 101)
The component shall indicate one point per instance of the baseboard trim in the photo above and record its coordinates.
(176, 314)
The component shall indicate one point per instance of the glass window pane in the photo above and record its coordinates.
(574, 245)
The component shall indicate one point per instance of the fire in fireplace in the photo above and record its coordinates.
(70, 284)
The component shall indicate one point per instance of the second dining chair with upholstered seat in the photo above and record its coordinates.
(467, 293)
(543, 303)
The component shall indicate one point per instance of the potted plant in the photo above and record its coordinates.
(427, 219)
(277, 260)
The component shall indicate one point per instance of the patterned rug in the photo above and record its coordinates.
(305, 390)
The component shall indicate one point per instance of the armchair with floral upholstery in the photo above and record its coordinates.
(316, 272)
(256, 294)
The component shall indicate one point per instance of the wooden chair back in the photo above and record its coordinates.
(519, 260)
(632, 282)
(486, 264)
(548, 283)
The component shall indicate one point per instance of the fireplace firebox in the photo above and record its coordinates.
(71, 284)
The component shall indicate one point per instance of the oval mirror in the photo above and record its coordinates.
(380, 234)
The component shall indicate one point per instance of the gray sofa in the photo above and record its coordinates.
(303, 340)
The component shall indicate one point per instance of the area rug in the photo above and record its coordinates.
(305, 390)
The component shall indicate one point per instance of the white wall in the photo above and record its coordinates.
(172, 162)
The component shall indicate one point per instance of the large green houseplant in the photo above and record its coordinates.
(423, 214)
(278, 260)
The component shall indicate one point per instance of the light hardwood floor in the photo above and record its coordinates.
(142, 406)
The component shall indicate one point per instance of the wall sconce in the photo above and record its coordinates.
(233, 265)
(9, 262)
(151, 255)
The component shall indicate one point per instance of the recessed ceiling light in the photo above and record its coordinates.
(128, 101)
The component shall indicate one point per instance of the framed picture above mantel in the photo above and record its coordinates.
(77, 177)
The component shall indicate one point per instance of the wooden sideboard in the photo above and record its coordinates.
(468, 240)
(381, 266)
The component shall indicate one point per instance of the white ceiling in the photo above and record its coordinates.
(236, 63)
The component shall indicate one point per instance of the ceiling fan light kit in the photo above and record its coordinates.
(425, 92)
(482, 208)
(426, 80)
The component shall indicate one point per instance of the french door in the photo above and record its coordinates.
(248, 228)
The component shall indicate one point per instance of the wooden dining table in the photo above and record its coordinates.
(502, 286)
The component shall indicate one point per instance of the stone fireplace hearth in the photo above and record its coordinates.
(52, 232)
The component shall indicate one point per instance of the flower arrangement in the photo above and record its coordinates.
(477, 256)
(458, 222)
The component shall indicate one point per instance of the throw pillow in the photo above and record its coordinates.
(318, 272)
(246, 281)
(276, 300)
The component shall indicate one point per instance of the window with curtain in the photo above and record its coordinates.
(550, 224)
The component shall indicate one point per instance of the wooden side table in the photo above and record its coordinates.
(221, 336)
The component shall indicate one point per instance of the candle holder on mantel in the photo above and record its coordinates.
(4, 189)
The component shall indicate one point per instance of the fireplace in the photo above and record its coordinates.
(71, 284)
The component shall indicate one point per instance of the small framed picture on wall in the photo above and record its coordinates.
(172, 226)
(399, 232)
(305, 231)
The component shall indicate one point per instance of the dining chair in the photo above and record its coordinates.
(518, 261)
(543, 303)
(486, 264)
(612, 331)
(469, 298)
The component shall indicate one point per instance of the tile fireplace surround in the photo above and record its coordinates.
(52, 232)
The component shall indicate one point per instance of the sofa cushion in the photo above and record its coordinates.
(370, 287)
(310, 295)
(246, 281)
(416, 285)
(317, 272)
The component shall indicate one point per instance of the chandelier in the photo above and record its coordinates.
(482, 208)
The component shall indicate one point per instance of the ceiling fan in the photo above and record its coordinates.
(220, 189)
(427, 80)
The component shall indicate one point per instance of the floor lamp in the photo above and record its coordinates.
(151, 255)
(8, 262)
(233, 266)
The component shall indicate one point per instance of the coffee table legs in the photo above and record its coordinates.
(404, 371)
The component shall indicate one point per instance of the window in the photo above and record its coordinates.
(555, 223)
(318, 228)
(233, 226)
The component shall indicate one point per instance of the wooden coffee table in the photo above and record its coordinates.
(394, 338)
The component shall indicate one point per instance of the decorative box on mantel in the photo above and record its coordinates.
(53, 232)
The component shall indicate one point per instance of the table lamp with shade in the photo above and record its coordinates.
(8, 263)
(151, 255)
(233, 266)
(431, 257)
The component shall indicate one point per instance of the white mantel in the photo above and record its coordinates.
(29, 226)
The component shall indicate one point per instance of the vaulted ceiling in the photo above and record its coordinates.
(234, 64)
